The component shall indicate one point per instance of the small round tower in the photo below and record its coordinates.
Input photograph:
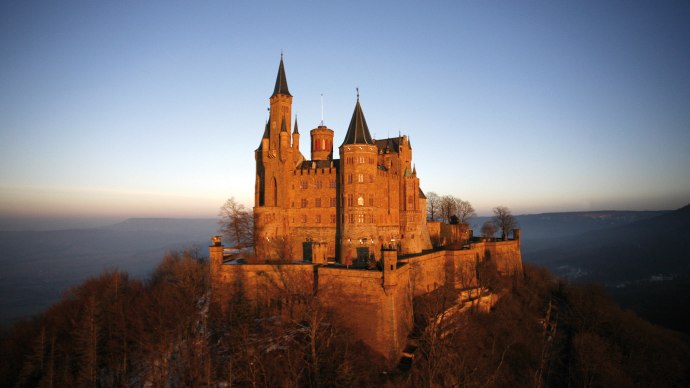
(321, 143)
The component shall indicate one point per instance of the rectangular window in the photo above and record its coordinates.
(304, 218)
(371, 199)
(360, 218)
(303, 185)
(332, 184)
(332, 218)
(319, 184)
(360, 178)
(371, 179)
(318, 218)
(305, 202)
(332, 202)
(350, 200)
(317, 202)
(352, 218)
(349, 178)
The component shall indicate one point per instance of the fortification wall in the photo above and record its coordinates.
(380, 317)
(432, 270)
(379, 313)
(261, 284)
(506, 255)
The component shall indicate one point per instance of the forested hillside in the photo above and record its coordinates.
(116, 331)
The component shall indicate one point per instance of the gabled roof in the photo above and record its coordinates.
(281, 81)
(358, 132)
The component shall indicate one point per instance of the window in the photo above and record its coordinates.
(317, 202)
(305, 202)
(332, 202)
(331, 184)
(360, 178)
(318, 218)
(319, 184)
(332, 218)
(349, 178)
(360, 201)
(371, 179)
(304, 218)
(360, 218)
(371, 199)
(351, 218)
(350, 200)
(303, 185)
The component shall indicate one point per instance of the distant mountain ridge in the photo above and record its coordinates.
(37, 266)
(552, 225)
(644, 264)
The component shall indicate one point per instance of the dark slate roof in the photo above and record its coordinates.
(283, 128)
(421, 194)
(307, 164)
(265, 136)
(358, 132)
(281, 82)
(267, 130)
(392, 144)
(295, 130)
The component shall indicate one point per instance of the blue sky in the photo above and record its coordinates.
(140, 109)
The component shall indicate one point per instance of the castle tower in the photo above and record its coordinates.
(321, 143)
(274, 162)
(357, 224)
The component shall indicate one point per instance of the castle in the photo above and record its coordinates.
(321, 223)
(323, 208)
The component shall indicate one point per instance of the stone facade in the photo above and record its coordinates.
(355, 205)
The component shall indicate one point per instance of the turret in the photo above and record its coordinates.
(295, 137)
(321, 143)
(284, 136)
(389, 262)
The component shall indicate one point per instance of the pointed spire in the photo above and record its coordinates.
(281, 81)
(267, 130)
(358, 132)
(295, 131)
(414, 169)
(283, 127)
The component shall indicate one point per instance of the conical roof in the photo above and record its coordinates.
(358, 131)
(281, 81)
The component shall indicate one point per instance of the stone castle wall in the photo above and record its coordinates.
(375, 305)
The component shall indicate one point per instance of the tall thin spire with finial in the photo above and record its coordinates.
(281, 81)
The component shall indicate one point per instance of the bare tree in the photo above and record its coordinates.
(447, 207)
(464, 211)
(488, 229)
(433, 206)
(504, 220)
(236, 223)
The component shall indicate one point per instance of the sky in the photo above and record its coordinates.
(153, 109)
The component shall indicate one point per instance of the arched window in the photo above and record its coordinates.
(275, 192)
